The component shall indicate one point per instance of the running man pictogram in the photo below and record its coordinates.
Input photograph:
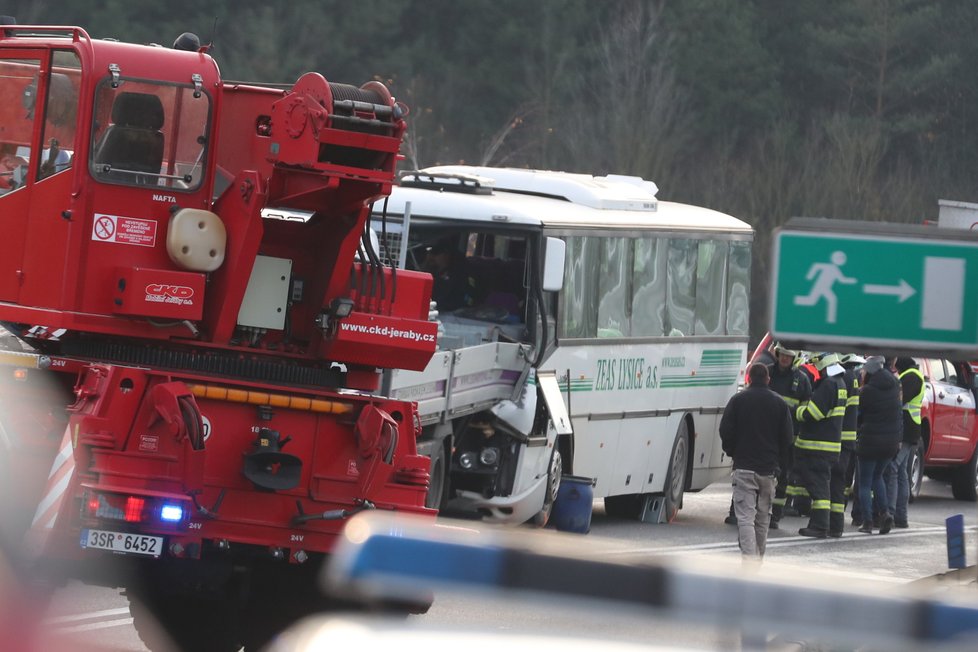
(825, 275)
(104, 228)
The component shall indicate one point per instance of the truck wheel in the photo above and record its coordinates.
(675, 485)
(184, 622)
(438, 488)
(554, 474)
(915, 469)
(964, 480)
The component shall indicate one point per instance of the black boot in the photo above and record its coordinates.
(837, 523)
(818, 525)
(886, 524)
(866, 527)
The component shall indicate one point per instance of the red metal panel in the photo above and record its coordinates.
(379, 341)
(158, 293)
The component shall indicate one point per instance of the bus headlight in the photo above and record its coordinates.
(489, 456)
(467, 460)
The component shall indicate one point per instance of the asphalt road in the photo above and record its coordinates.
(92, 618)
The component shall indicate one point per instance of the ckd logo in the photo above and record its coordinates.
(165, 293)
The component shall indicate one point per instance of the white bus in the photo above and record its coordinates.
(646, 339)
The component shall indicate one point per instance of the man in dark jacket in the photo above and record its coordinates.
(794, 387)
(898, 480)
(756, 431)
(879, 434)
(454, 286)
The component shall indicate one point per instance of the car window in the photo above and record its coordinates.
(952, 373)
(937, 373)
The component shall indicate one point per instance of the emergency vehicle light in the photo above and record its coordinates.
(171, 513)
(134, 509)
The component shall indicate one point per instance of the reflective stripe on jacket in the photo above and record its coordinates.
(850, 419)
(821, 417)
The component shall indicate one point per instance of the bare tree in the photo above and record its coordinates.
(496, 154)
(630, 116)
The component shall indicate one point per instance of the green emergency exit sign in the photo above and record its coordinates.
(876, 288)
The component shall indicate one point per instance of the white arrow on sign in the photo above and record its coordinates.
(903, 290)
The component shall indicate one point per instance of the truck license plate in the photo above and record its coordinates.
(133, 544)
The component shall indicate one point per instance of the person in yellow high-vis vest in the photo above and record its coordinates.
(898, 483)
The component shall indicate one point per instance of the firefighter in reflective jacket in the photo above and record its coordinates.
(799, 503)
(842, 470)
(794, 387)
(819, 442)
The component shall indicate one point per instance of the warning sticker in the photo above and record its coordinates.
(124, 230)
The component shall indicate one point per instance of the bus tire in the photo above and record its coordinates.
(438, 480)
(554, 475)
(675, 485)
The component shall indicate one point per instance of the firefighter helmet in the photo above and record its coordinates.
(780, 349)
(851, 360)
(828, 363)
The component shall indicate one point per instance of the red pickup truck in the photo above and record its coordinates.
(949, 425)
(949, 428)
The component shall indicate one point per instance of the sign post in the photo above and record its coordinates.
(875, 286)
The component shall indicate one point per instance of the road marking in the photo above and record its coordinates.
(105, 624)
(72, 623)
(91, 615)
(783, 542)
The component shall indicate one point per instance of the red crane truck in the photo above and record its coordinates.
(197, 326)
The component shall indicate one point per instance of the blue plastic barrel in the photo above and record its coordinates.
(572, 508)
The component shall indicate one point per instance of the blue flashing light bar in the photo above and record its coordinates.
(171, 513)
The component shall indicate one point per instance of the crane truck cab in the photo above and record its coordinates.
(197, 409)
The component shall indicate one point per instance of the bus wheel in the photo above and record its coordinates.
(554, 474)
(438, 481)
(675, 485)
